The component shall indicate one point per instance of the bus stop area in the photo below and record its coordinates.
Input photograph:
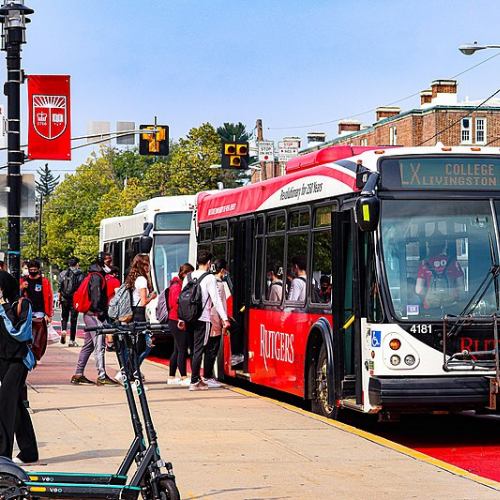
(227, 443)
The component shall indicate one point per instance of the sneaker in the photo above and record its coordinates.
(110, 348)
(212, 383)
(81, 380)
(119, 378)
(18, 461)
(174, 381)
(199, 386)
(63, 337)
(106, 381)
(236, 359)
(72, 343)
(185, 382)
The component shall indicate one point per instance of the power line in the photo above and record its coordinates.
(374, 109)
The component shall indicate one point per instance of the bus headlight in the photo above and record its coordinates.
(395, 360)
(410, 360)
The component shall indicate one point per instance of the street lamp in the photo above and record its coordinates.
(470, 48)
(13, 17)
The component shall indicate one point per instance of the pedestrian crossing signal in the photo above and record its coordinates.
(235, 154)
(154, 140)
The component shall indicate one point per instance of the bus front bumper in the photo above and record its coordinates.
(430, 391)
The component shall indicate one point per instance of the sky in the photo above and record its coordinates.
(300, 66)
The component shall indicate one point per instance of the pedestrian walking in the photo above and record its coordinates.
(217, 329)
(179, 354)
(16, 359)
(69, 281)
(38, 290)
(210, 297)
(112, 285)
(95, 316)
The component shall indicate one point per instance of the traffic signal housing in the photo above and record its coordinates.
(235, 154)
(154, 142)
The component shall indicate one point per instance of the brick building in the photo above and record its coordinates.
(440, 118)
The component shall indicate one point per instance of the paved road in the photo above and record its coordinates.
(226, 444)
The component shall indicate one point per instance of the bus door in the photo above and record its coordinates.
(240, 268)
(346, 307)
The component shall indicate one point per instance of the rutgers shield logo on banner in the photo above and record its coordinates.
(49, 133)
(49, 115)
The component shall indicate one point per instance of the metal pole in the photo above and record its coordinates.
(13, 38)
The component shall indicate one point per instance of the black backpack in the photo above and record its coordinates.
(69, 284)
(190, 302)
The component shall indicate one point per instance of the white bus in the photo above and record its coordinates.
(164, 227)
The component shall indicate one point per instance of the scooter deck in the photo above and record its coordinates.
(88, 491)
(80, 478)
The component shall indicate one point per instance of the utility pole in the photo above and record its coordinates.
(12, 16)
(260, 137)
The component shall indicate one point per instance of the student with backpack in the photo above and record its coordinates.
(69, 281)
(199, 294)
(167, 311)
(92, 300)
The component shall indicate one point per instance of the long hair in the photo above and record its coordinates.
(139, 267)
(184, 270)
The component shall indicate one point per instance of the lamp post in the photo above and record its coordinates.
(470, 48)
(13, 17)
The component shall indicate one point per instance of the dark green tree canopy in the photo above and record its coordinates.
(47, 184)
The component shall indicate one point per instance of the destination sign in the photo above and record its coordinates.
(478, 172)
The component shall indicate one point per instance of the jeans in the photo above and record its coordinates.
(93, 344)
(68, 310)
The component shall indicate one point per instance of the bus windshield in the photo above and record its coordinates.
(170, 252)
(436, 254)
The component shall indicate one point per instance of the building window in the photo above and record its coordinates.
(465, 137)
(393, 136)
(480, 130)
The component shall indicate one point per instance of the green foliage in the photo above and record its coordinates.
(190, 170)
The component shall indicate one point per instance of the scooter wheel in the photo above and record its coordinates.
(9, 487)
(168, 490)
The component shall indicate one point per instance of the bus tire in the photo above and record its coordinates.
(319, 403)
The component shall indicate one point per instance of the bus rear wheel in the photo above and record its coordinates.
(320, 404)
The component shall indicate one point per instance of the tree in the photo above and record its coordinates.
(45, 187)
(189, 169)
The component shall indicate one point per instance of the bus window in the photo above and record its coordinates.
(205, 238)
(297, 251)
(170, 252)
(275, 248)
(129, 255)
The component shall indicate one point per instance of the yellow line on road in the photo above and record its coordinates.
(379, 440)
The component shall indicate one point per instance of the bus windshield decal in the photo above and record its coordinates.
(441, 172)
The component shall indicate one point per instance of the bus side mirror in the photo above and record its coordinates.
(367, 212)
(146, 242)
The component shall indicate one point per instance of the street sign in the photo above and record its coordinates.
(266, 151)
(286, 154)
(289, 144)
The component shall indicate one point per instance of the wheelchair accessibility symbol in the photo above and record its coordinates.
(376, 338)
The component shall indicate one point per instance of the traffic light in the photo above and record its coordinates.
(235, 154)
(154, 142)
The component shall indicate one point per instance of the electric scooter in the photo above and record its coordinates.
(153, 478)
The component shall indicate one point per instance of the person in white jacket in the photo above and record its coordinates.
(210, 297)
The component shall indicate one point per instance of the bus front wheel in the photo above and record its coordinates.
(320, 404)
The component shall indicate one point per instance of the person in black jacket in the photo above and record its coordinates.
(16, 359)
(95, 316)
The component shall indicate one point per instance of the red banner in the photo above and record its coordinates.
(49, 131)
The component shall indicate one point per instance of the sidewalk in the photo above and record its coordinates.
(225, 444)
